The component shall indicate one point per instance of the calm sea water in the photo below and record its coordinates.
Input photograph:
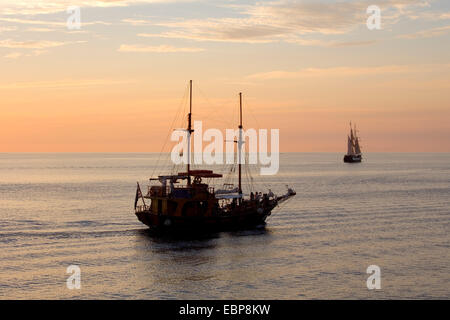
(392, 210)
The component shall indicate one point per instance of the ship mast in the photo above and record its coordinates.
(189, 131)
(240, 145)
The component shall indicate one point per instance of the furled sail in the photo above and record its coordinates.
(357, 148)
(349, 146)
(224, 191)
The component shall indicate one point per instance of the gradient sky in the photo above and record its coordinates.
(305, 67)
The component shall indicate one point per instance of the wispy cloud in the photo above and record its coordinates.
(63, 83)
(13, 55)
(310, 73)
(49, 23)
(137, 22)
(40, 30)
(35, 7)
(329, 43)
(291, 21)
(34, 44)
(33, 53)
(156, 49)
(31, 48)
(7, 29)
(429, 33)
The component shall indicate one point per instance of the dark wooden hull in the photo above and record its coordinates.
(218, 222)
(352, 159)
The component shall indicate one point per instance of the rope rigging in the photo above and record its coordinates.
(229, 170)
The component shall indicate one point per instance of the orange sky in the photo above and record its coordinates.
(116, 84)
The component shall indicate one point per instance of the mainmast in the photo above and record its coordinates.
(189, 131)
(240, 145)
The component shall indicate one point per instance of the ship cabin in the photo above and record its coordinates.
(194, 198)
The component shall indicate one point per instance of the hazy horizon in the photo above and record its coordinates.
(156, 152)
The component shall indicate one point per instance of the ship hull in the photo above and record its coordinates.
(222, 222)
(352, 158)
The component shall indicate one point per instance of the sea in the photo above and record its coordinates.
(60, 211)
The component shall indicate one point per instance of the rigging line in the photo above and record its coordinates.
(178, 116)
(170, 130)
(283, 179)
(249, 107)
(247, 172)
(247, 178)
(215, 106)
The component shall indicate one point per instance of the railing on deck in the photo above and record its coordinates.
(159, 191)
(142, 208)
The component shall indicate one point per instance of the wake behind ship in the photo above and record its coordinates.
(184, 202)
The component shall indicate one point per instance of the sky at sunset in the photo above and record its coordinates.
(304, 67)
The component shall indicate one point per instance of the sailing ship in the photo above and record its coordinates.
(353, 147)
(184, 202)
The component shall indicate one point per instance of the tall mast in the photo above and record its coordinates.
(240, 144)
(189, 131)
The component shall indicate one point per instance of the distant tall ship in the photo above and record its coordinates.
(353, 147)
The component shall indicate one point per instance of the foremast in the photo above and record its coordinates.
(189, 132)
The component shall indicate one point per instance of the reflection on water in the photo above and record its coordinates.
(185, 265)
(58, 210)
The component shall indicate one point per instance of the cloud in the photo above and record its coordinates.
(34, 44)
(40, 30)
(33, 48)
(157, 49)
(430, 15)
(289, 21)
(330, 43)
(35, 7)
(136, 22)
(429, 33)
(7, 29)
(13, 55)
(35, 22)
(344, 71)
(352, 43)
(63, 83)
(34, 53)
(48, 23)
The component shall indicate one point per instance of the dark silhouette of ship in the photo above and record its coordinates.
(184, 202)
(353, 147)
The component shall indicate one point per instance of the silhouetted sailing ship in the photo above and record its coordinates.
(195, 205)
(353, 147)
